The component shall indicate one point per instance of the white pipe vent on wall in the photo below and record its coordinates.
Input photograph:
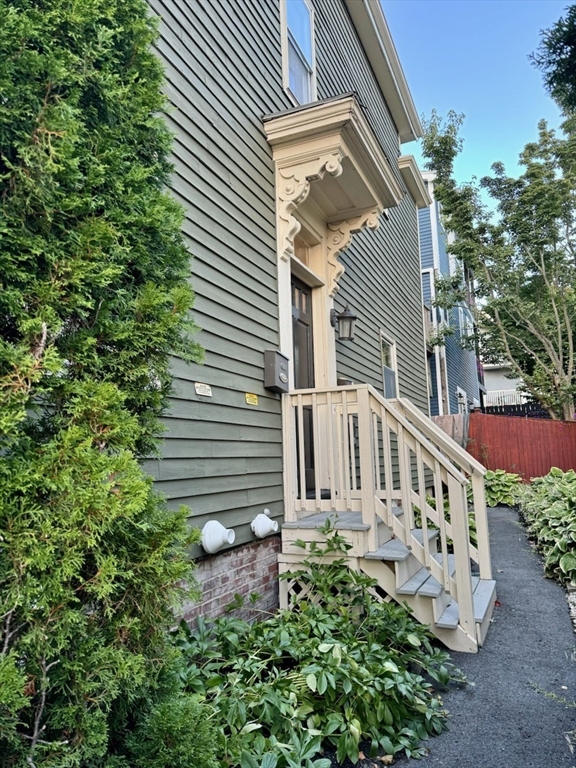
(262, 525)
(215, 536)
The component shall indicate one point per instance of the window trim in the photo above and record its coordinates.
(286, 54)
(394, 357)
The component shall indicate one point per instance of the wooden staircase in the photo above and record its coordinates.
(396, 487)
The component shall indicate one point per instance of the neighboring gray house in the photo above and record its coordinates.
(289, 117)
(455, 373)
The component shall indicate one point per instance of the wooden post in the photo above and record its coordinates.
(367, 478)
(289, 459)
(461, 539)
(482, 532)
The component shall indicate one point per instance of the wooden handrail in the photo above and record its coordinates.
(433, 432)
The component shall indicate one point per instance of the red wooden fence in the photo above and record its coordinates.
(529, 447)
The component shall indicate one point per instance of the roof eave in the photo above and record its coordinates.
(370, 23)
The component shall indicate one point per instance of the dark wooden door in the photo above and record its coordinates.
(303, 361)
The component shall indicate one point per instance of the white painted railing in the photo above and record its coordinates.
(504, 397)
(349, 449)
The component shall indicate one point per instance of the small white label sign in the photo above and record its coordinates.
(203, 389)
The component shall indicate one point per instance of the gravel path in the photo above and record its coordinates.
(504, 720)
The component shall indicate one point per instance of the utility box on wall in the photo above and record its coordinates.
(276, 375)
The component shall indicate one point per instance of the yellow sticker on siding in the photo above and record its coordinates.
(251, 399)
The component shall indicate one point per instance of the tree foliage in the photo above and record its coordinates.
(93, 299)
(523, 259)
(556, 59)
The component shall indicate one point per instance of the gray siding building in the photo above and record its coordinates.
(244, 80)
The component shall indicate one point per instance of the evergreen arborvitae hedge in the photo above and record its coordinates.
(93, 298)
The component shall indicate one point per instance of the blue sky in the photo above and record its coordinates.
(472, 56)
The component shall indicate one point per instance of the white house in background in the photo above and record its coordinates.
(501, 387)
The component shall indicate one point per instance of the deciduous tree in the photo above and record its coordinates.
(523, 258)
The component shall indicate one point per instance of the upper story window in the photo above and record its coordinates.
(298, 50)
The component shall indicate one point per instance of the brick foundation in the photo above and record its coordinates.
(250, 568)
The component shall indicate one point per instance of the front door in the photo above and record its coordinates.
(303, 359)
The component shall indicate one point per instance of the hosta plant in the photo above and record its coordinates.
(338, 669)
(501, 487)
(548, 506)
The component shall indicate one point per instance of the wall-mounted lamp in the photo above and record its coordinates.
(345, 322)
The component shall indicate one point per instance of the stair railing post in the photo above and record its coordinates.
(289, 459)
(367, 474)
(461, 539)
(481, 517)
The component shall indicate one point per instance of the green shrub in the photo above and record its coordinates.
(93, 299)
(501, 487)
(177, 733)
(548, 506)
(337, 669)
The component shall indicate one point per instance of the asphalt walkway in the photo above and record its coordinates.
(505, 720)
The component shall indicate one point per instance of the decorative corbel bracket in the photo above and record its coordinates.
(338, 238)
(293, 187)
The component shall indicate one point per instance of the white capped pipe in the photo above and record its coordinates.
(262, 525)
(215, 536)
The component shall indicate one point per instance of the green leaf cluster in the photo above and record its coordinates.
(548, 506)
(501, 487)
(94, 299)
(336, 670)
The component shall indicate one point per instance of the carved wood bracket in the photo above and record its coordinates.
(338, 238)
(293, 187)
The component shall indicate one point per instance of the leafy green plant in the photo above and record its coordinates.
(93, 301)
(472, 531)
(501, 487)
(548, 506)
(338, 669)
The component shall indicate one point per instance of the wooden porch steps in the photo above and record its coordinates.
(400, 574)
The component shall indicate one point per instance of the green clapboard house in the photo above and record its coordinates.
(289, 118)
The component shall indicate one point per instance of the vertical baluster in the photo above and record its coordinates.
(315, 450)
(346, 452)
(353, 465)
(442, 524)
(405, 484)
(388, 475)
(331, 452)
(423, 512)
(376, 451)
(301, 454)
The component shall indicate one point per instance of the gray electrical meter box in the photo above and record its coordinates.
(275, 371)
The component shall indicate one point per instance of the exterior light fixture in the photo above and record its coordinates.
(345, 322)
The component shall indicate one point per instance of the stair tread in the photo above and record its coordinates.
(449, 619)
(351, 521)
(482, 596)
(432, 587)
(414, 583)
(418, 533)
(393, 549)
(396, 550)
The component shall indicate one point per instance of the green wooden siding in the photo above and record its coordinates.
(221, 456)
